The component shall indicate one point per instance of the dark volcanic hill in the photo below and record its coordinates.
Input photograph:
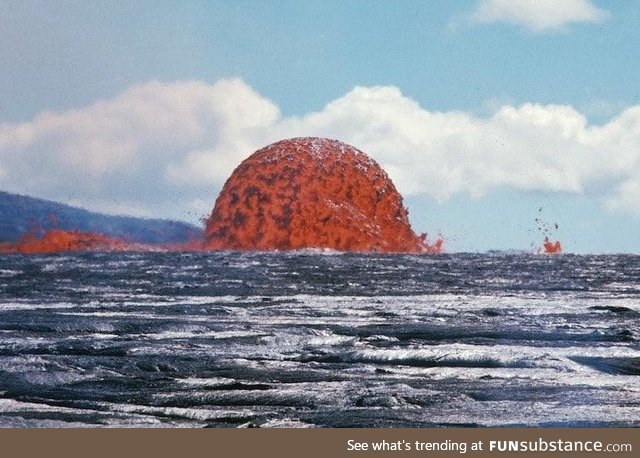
(18, 214)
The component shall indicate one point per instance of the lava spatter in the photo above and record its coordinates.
(546, 228)
(551, 247)
(312, 193)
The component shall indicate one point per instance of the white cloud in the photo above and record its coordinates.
(126, 147)
(531, 147)
(166, 149)
(538, 15)
(626, 196)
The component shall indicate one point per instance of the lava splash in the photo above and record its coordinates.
(551, 247)
(312, 193)
(547, 229)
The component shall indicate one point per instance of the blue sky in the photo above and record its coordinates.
(481, 111)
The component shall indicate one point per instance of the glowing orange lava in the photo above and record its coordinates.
(547, 229)
(551, 247)
(58, 240)
(312, 193)
(293, 194)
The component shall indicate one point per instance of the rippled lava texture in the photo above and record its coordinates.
(311, 193)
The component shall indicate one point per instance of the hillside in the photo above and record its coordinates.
(18, 214)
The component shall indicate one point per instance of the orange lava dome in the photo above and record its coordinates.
(312, 193)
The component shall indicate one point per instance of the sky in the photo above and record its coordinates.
(495, 119)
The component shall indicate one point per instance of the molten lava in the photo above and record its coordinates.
(312, 193)
(551, 247)
(58, 240)
(547, 229)
(293, 194)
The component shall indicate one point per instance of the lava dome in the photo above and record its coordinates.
(311, 193)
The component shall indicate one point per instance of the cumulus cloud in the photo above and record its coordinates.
(538, 15)
(530, 147)
(140, 149)
(165, 149)
(626, 196)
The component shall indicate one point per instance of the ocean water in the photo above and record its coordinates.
(319, 340)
